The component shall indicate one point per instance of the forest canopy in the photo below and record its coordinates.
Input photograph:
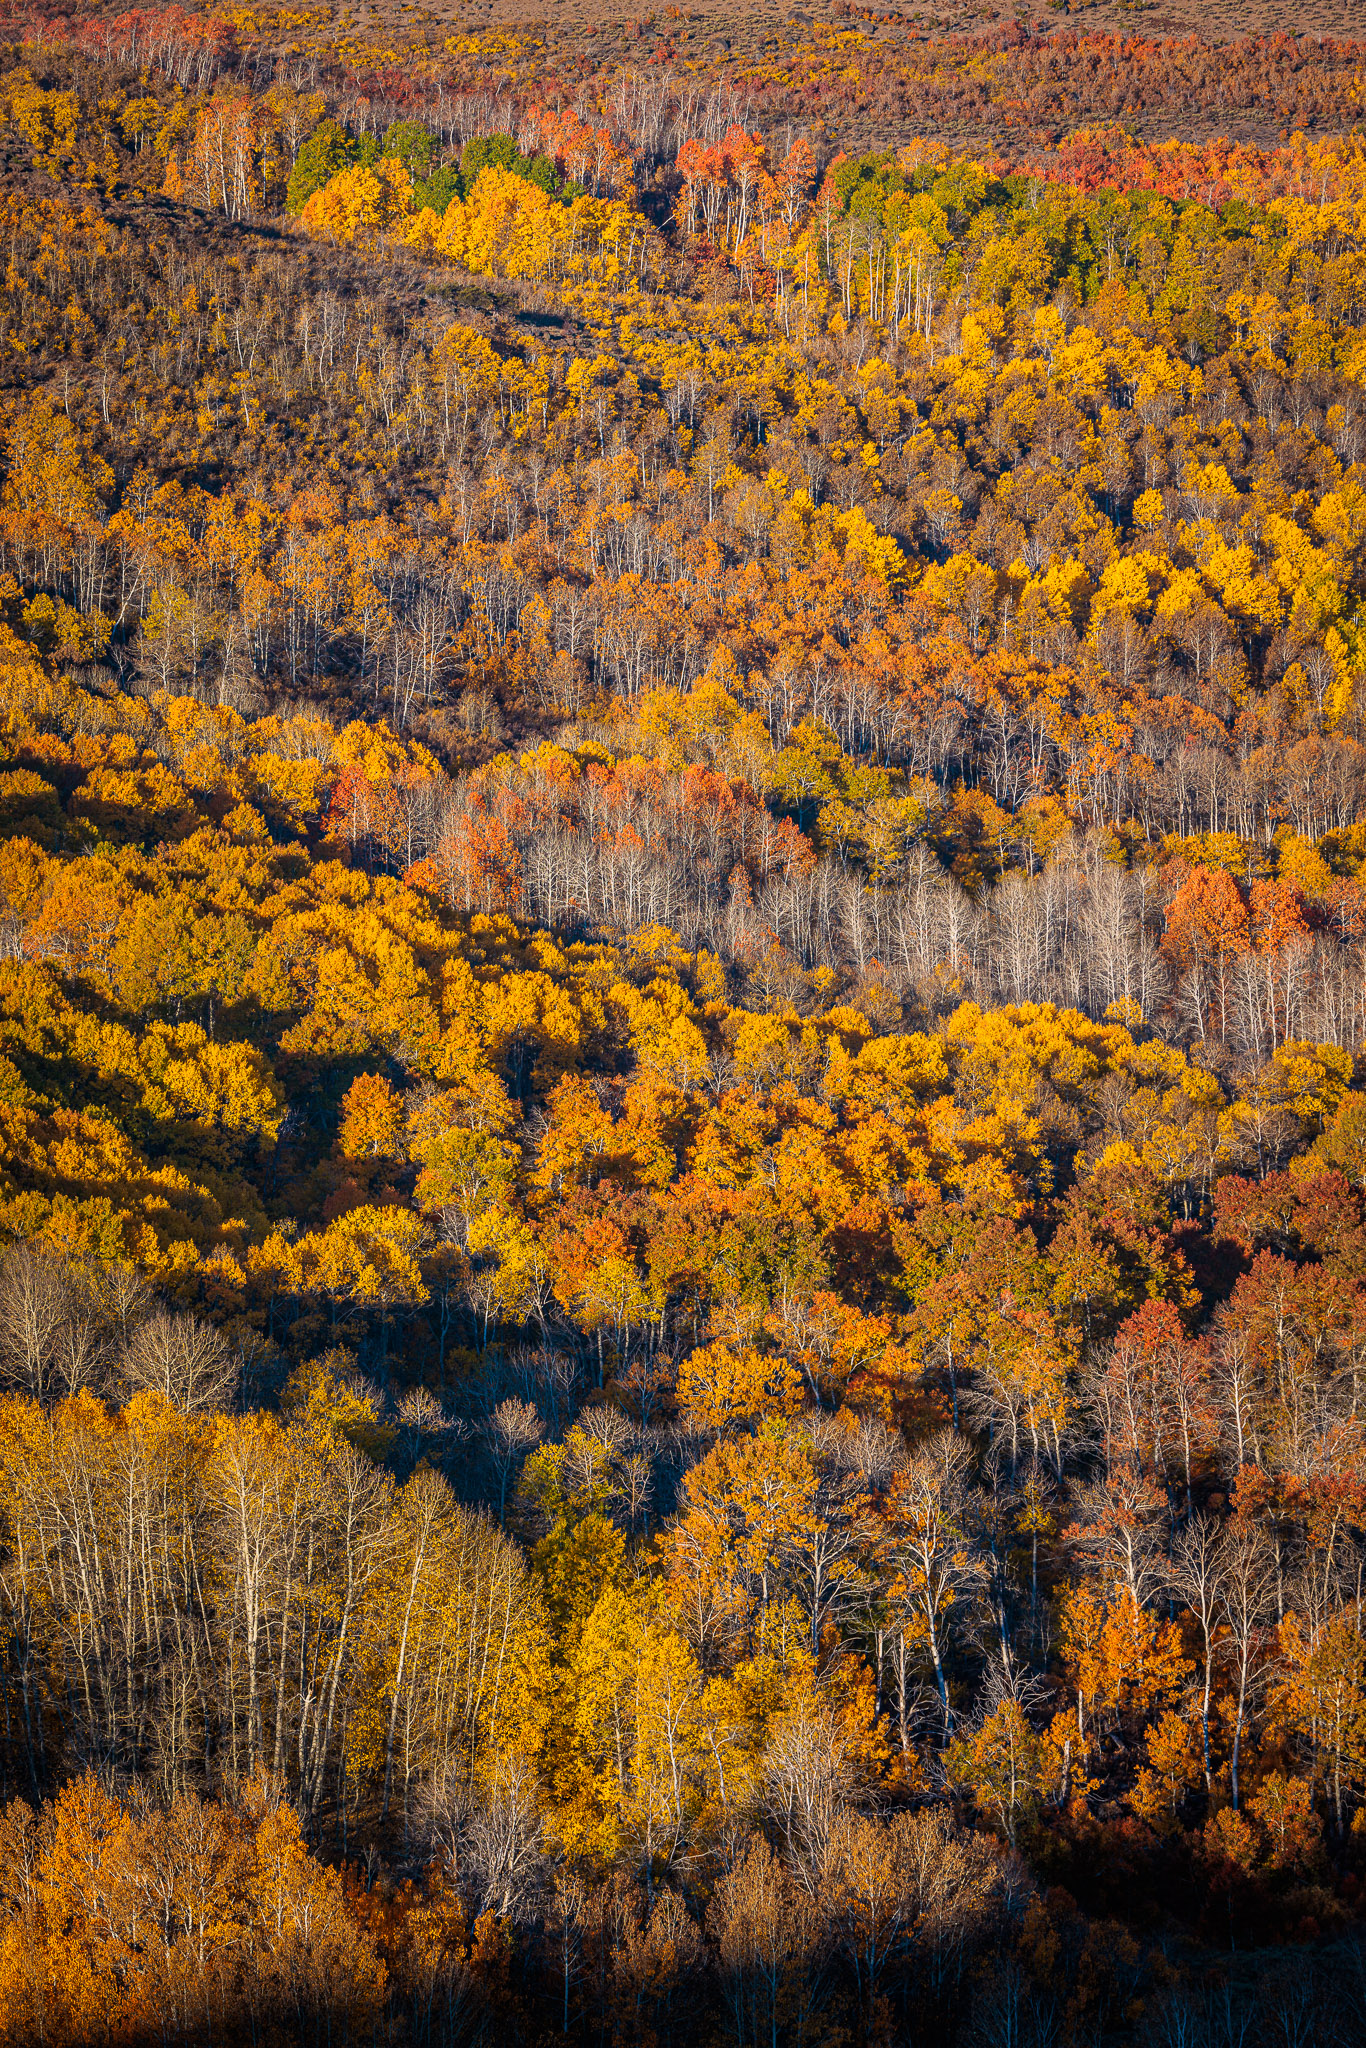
(682, 1002)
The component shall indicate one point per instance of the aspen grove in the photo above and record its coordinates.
(682, 1032)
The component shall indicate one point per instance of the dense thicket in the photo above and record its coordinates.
(682, 1163)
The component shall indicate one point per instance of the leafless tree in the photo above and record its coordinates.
(810, 1776)
(1247, 1600)
(491, 1839)
(514, 1429)
(1196, 1580)
(934, 1570)
(187, 1360)
(52, 1330)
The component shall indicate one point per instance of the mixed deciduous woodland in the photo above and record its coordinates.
(682, 1003)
